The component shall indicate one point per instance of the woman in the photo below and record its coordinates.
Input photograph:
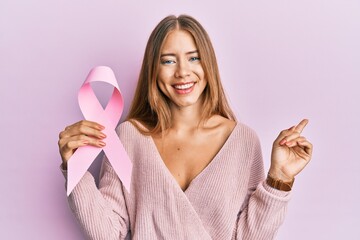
(197, 173)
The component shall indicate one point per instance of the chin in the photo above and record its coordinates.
(187, 103)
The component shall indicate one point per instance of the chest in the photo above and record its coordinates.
(186, 157)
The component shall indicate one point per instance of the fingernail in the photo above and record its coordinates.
(282, 142)
(101, 135)
(101, 143)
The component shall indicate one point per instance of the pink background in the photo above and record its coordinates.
(280, 61)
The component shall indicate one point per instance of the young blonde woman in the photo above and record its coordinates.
(197, 172)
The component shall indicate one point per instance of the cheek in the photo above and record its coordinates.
(204, 84)
(161, 86)
(163, 79)
(165, 73)
(199, 71)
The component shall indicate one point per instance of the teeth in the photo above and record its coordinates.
(184, 86)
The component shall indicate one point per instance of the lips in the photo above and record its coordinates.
(183, 88)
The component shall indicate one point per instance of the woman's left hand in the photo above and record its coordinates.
(291, 152)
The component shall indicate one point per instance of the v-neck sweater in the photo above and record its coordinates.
(229, 199)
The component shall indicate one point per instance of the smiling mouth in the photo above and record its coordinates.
(184, 86)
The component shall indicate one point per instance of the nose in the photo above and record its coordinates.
(183, 69)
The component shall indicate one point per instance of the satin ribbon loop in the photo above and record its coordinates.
(92, 110)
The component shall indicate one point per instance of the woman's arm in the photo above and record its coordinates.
(101, 212)
(264, 210)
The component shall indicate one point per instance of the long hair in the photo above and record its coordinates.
(150, 106)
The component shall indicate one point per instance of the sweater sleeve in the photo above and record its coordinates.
(102, 211)
(264, 208)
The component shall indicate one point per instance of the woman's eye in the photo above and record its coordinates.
(193, 59)
(167, 62)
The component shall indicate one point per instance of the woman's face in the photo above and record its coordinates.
(180, 75)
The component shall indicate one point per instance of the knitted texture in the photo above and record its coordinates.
(229, 199)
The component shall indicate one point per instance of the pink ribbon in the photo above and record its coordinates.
(92, 110)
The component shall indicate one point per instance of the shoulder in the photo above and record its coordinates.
(245, 131)
(242, 136)
(127, 131)
(124, 126)
(131, 138)
(248, 139)
(230, 127)
(221, 124)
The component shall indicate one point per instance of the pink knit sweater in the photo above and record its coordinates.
(227, 200)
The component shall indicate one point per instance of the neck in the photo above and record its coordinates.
(186, 118)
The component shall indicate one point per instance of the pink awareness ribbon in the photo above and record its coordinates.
(92, 110)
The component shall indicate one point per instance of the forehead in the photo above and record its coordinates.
(178, 41)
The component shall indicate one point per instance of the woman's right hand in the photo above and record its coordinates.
(77, 135)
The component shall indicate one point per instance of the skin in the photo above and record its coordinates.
(180, 64)
(77, 135)
(291, 152)
(188, 138)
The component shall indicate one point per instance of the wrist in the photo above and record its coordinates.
(279, 184)
(278, 174)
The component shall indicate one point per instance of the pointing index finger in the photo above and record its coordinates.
(300, 127)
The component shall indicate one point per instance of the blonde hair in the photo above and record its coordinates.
(150, 106)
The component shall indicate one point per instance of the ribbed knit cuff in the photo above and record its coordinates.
(276, 192)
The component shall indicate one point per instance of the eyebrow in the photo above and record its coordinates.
(173, 54)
